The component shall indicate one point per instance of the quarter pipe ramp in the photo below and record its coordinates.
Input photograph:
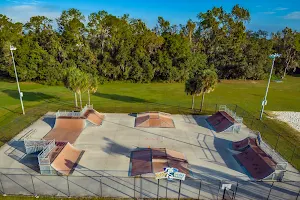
(66, 129)
(93, 116)
(220, 121)
(67, 159)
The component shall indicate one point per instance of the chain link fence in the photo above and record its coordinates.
(95, 184)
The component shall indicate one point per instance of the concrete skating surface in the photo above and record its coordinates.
(107, 150)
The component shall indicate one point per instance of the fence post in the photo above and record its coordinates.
(236, 188)
(2, 185)
(100, 187)
(219, 189)
(216, 108)
(157, 189)
(69, 195)
(293, 153)
(223, 193)
(270, 190)
(179, 189)
(199, 190)
(277, 143)
(167, 189)
(235, 108)
(298, 194)
(34, 193)
(252, 122)
(134, 187)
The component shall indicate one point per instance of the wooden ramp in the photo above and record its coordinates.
(154, 120)
(67, 159)
(66, 129)
(244, 144)
(93, 116)
(220, 121)
(152, 160)
(257, 162)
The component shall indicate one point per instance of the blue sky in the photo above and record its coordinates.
(266, 15)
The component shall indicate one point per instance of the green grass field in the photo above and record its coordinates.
(133, 97)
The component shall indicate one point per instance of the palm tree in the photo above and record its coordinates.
(72, 82)
(192, 88)
(209, 79)
(83, 86)
(93, 86)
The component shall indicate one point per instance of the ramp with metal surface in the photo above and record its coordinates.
(66, 129)
(66, 159)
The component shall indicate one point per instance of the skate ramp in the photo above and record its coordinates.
(94, 117)
(220, 121)
(66, 129)
(154, 120)
(152, 160)
(140, 162)
(244, 144)
(66, 159)
(256, 162)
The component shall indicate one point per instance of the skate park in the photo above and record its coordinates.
(102, 152)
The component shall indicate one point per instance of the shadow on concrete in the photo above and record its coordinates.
(222, 147)
(123, 98)
(200, 120)
(28, 96)
(50, 120)
(115, 148)
(17, 152)
(18, 145)
(133, 114)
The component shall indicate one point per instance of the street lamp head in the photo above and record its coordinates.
(274, 55)
(12, 48)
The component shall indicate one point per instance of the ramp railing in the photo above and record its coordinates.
(43, 156)
(34, 145)
(231, 113)
(86, 107)
(67, 114)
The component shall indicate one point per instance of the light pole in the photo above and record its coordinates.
(264, 102)
(12, 48)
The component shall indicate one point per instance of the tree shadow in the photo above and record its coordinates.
(123, 98)
(115, 148)
(28, 96)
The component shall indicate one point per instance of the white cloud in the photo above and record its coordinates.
(22, 13)
(281, 8)
(24, 2)
(269, 13)
(293, 15)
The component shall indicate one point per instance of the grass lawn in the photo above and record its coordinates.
(133, 97)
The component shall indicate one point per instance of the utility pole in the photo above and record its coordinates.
(264, 102)
(12, 48)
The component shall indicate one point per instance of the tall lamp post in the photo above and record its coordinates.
(264, 102)
(12, 48)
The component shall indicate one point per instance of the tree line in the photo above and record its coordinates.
(122, 48)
